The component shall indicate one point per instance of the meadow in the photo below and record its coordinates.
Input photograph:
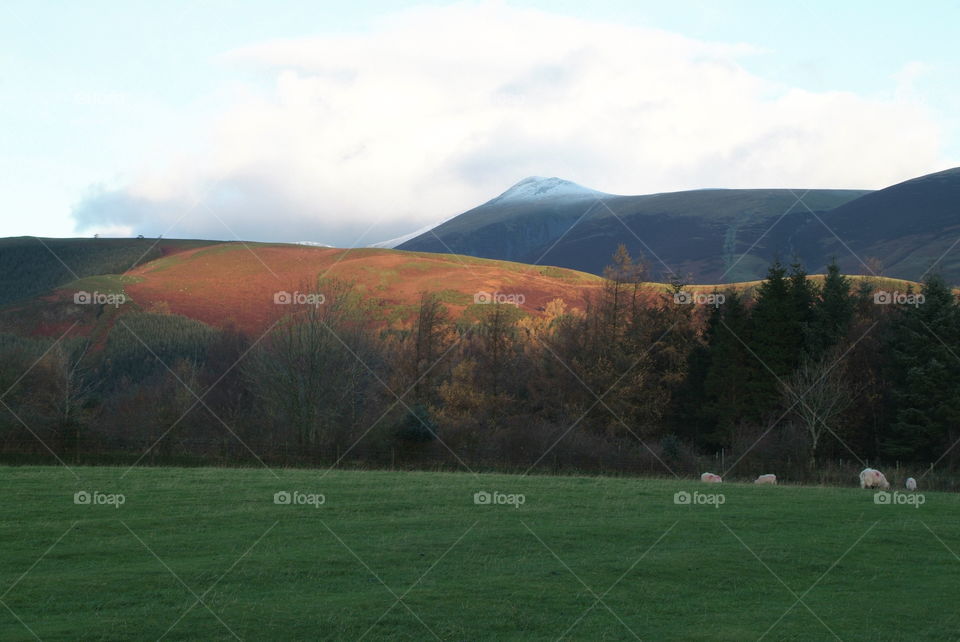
(208, 554)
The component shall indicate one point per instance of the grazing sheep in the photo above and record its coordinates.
(871, 478)
(766, 479)
(710, 478)
(911, 484)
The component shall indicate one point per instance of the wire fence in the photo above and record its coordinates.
(273, 453)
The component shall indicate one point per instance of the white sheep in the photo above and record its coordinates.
(710, 478)
(871, 478)
(911, 484)
(766, 479)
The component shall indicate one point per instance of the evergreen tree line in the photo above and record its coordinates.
(793, 375)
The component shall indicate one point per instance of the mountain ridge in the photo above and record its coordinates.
(712, 235)
(583, 233)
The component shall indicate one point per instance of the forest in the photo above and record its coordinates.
(806, 377)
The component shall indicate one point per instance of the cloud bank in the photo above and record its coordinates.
(358, 138)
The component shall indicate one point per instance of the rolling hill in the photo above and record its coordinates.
(712, 235)
(910, 227)
(551, 221)
(30, 265)
(235, 283)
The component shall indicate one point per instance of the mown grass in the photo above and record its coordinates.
(465, 572)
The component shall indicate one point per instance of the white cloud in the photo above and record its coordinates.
(438, 109)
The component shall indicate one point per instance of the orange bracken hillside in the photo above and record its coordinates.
(235, 283)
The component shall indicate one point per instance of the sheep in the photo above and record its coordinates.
(710, 478)
(911, 484)
(766, 479)
(870, 478)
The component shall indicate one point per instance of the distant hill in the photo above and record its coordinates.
(714, 235)
(505, 245)
(234, 283)
(911, 227)
(30, 265)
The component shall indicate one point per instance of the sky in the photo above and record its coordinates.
(352, 123)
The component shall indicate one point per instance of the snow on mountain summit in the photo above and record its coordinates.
(539, 188)
(530, 190)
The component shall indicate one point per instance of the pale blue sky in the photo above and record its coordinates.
(93, 92)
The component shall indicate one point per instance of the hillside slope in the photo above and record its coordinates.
(30, 265)
(910, 227)
(235, 284)
(701, 233)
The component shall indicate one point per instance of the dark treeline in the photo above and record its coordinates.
(802, 377)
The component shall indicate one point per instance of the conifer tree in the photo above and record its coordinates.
(774, 338)
(833, 313)
(727, 386)
(925, 373)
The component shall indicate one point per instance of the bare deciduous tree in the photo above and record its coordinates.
(311, 374)
(817, 393)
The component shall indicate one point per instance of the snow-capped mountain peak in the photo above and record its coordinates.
(529, 190)
(540, 188)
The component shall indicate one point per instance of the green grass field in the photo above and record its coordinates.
(207, 554)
